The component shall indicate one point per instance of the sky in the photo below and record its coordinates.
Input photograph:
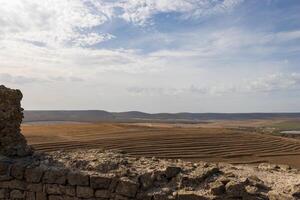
(152, 55)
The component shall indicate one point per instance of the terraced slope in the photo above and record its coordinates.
(211, 144)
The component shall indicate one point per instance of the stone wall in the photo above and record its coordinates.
(12, 142)
(41, 182)
(31, 180)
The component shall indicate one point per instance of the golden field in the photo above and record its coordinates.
(209, 142)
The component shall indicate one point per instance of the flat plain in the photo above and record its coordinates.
(220, 141)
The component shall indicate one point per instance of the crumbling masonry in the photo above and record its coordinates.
(12, 142)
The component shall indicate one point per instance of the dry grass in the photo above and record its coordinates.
(167, 141)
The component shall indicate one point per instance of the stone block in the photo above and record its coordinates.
(4, 193)
(35, 187)
(53, 176)
(77, 178)
(100, 181)
(41, 196)
(84, 192)
(34, 175)
(30, 195)
(17, 171)
(172, 171)
(55, 197)
(17, 184)
(54, 189)
(127, 187)
(17, 194)
(189, 195)
(102, 193)
(5, 169)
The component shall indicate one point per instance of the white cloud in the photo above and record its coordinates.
(139, 11)
(265, 84)
(51, 22)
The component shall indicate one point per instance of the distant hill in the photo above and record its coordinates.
(100, 115)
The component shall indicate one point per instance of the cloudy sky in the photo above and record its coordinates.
(153, 55)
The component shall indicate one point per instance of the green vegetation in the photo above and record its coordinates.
(287, 125)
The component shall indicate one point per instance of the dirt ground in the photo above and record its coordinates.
(189, 142)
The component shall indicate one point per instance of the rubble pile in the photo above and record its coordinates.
(107, 175)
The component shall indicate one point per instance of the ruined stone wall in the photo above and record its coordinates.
(12, 142)
(29, 180)
(19, 181)
(96, 175)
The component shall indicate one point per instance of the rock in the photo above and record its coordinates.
(41, 196)
(127, 187)
(217, 188)
(4, 193)
(55, 197)
(224, 180)
(146, 180)
(12, 142)
(5, 170)
(189, 195)
(172, 171)
(102, 193)
(144, 196)
(84, 192)
(275, 195)
(77, 178)
(101, 181)
(268, 166)
(57, 176)
(29, 195)
(256, 182)
(17, 184)
(235, 189)
(296, 191)
(17, 194)
(35, 187)
(54, 189)
(34, 175)
(17, 171)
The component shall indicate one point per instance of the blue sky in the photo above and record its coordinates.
(153, 55)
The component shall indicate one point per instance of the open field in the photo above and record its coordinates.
(167, 141)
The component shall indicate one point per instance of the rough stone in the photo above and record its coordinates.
(146, 180)
(17, 171)
(17, 194)
(172, 171)
(5, 169)
(217, 188)
(235, 189)
(274, 195)
(55, 197)
(57, 176)
(127, 187)
(35, 187)
(77, 178)
(41, 196)
(84, 192)
(54, 189)
(4, 193)
(102, 193)
(189, 195)
(29, 195)
(101, 181)
(12, 142)
(34, 175)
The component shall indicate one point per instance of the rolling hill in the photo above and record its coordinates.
(100, 115)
